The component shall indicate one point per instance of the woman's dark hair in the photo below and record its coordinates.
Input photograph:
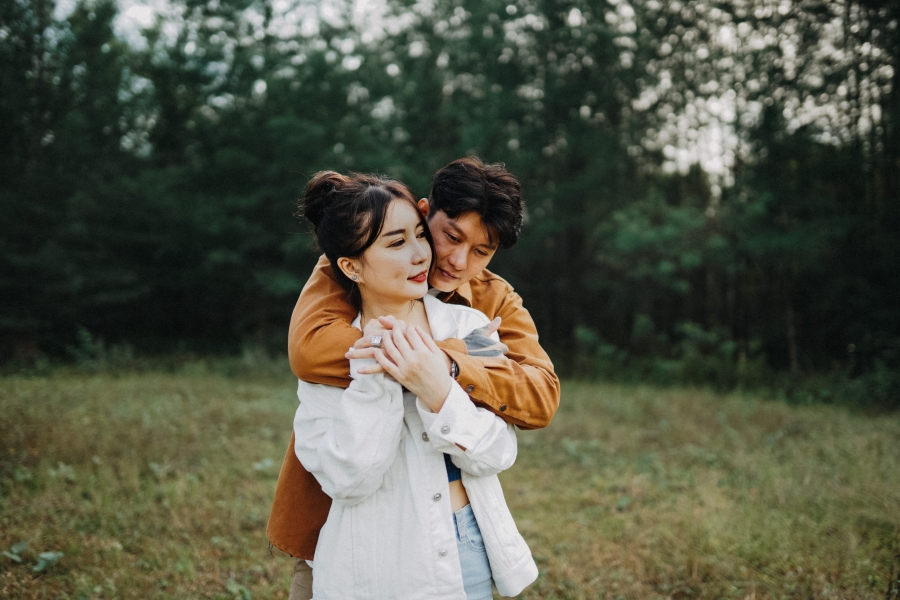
(468, 184)
(347, 214)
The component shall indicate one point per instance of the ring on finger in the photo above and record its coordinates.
(376, 341)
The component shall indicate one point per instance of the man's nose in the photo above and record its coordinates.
(458, 259)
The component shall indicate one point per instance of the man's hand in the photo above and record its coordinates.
(491, 328)
(479, 342)
(411, 357)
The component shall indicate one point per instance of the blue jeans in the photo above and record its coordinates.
(476, 570)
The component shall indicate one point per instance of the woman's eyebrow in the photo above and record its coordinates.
(394, 232)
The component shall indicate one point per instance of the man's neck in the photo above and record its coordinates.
(461, 295)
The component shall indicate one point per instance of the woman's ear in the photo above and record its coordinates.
(424, 207)
(350, 268)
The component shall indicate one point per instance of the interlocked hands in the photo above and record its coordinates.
(410, 356)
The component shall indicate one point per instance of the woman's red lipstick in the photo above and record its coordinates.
(420, 277)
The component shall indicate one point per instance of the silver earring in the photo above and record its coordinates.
(354, 278)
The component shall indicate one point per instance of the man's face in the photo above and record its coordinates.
(462, 247)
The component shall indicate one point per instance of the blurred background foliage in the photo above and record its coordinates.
(712, 187)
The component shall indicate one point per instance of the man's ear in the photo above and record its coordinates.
(350, 268)
(424, 207)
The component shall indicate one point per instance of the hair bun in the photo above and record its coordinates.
(319, 192)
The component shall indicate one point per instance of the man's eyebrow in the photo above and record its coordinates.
(462, 234)
(456, 227)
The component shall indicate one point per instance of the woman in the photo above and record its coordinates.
(417, 512)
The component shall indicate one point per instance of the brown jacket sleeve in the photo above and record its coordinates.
(521, 387)
(321, 330)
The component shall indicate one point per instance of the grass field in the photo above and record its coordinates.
(156, 485)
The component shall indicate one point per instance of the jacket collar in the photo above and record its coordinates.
(461, 295)
(441, 318)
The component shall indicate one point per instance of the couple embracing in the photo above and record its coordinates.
(389, 488)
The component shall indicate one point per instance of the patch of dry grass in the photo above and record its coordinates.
(151, 485)
(159, 486)
(648, 493)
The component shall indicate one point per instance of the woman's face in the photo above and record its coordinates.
(395, 268)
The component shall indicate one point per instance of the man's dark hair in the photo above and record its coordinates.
(467, 184)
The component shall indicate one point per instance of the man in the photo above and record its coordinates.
(473, 210)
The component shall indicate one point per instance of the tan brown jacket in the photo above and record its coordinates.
(521, 387)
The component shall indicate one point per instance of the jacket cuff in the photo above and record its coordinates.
(473, 376)
(459, 421)
(452, 345)
(358, 363)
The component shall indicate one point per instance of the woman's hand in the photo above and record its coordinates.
(363, 346)
(411, 357)
(373, 327)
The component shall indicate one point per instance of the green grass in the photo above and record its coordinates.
(157, 485)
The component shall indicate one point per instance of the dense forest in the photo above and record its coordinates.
(712, 187)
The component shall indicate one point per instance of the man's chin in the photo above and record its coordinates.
(441, 284)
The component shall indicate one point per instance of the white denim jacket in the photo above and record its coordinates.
(378, 453)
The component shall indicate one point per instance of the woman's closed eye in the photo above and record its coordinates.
(402, 240)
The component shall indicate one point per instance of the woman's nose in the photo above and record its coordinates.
(422, 253)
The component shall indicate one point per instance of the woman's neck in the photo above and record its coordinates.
(409, 311)
(372, 309)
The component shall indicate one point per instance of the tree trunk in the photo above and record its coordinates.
(792, 340)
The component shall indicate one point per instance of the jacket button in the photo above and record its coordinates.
(443, 553)
(437, 497)
(445, 429)
(502, 408)
(470, 388)
(424, 436)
